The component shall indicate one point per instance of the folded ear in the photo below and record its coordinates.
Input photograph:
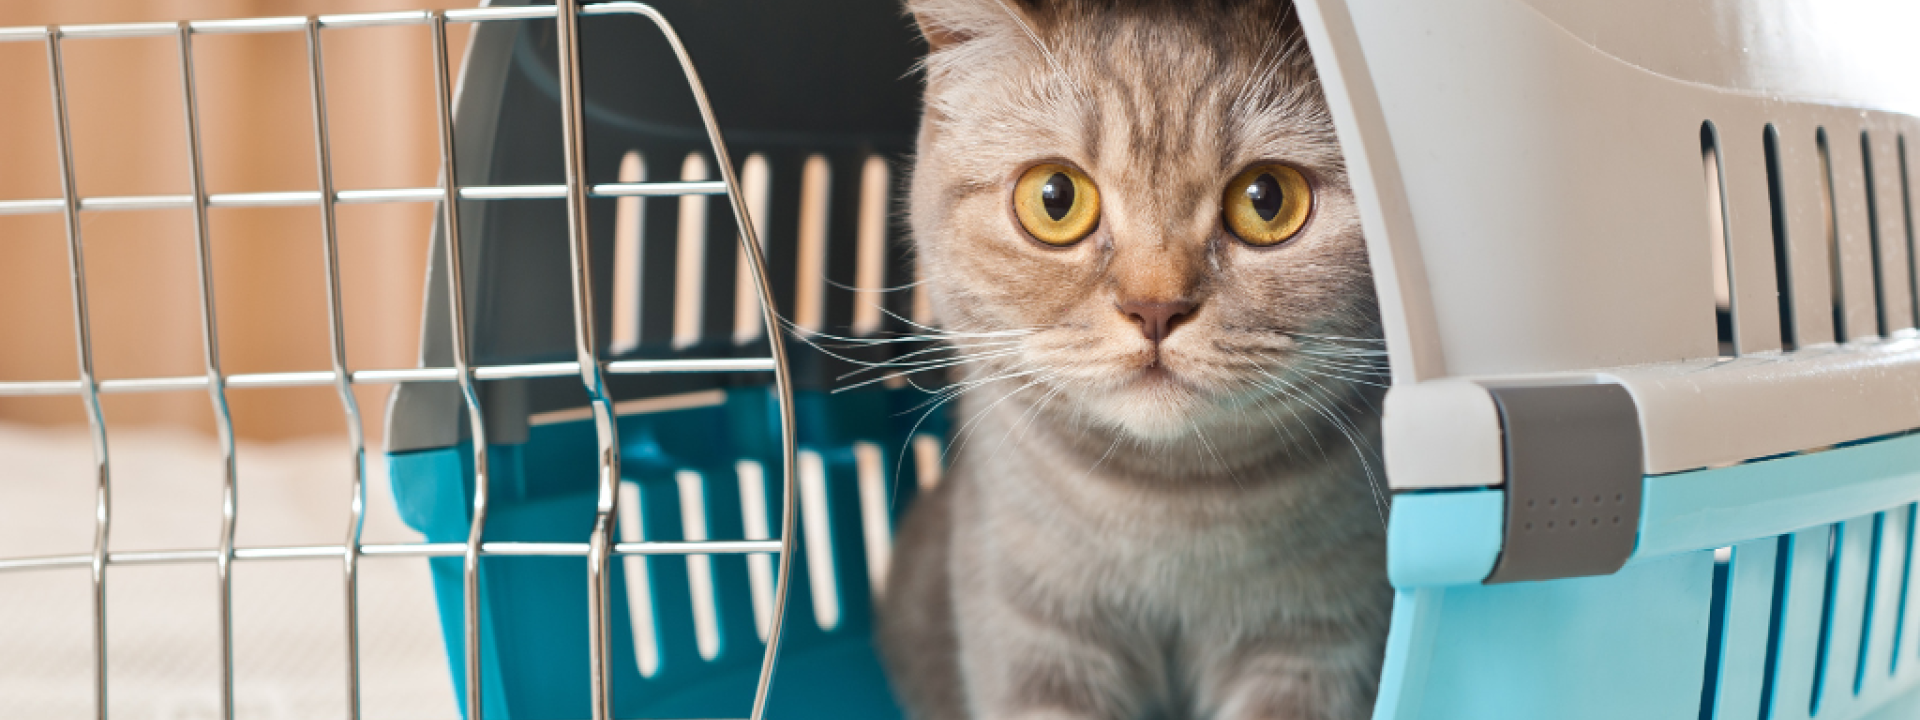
(948, 23)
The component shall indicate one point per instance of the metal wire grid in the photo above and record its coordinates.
(592, 371)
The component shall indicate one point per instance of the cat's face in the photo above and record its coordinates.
(1149, 220)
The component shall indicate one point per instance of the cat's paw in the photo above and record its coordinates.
(1280, 687)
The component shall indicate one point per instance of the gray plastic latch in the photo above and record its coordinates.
(1573, 480)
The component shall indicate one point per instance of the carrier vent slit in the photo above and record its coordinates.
(646, 633)
(870, 267)
(1830, 224)
(1836, 534)
(871, 465)
(1906, 217)
(810, 292)
(690, 258)
(814, 516)
(629, 224)
(1866, 614)
(1782, 267)
(1716, 631)
(1900, 606)
(693, 521)
(754, 521)
(1718, 239)
(926, 460)
(755, 181)
(1873, 235)
(1782, 562)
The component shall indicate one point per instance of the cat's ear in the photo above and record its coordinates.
(948, 23)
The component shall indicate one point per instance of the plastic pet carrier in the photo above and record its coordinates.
(818, 107)
(1646, 271)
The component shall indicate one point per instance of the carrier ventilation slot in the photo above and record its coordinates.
(693, 523)
(1866, 613)
(690, 258)
(1829, 583)
(640, 612)
(756, 179)
(1776, 621)
(1873, 237)
(810, 292)
(757, 526)
(819, 536)
(1836, 534)
(1906, 580)
(1717, 238)
(870, 464)
(1830, 224)
(926, 460)
(870, 267)
(1782, 268)
(690, 266)
(1716, 630)
(1906, 217)
(629, 224)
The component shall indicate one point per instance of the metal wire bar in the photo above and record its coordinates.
(304, 198)
(314, 378)
(423, 550)
(216, 383)
(592, 371)
(457, 318)
(292, 24)
(88, 388)
(782, 380)
(586, 347)
(342, 379)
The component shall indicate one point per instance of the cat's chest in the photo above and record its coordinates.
(1233, 558)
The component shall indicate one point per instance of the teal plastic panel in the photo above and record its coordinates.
(1822, 600)
(1846, 601)
(684, 466)
(1906, 630)
(1801, 606)
(436, 503)
(1905, 706)
(1749, 614)
(1628, 645)
(1883, 611)
(1444, 537)
(1717, 508)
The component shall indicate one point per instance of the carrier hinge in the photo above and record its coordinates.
(1573, 471)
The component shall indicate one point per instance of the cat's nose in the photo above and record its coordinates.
(1157, 318)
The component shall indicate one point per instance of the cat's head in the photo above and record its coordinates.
(1140, 207)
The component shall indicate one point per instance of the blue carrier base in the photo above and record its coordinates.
(533, 610)
(1806, 612)
(1777, 590)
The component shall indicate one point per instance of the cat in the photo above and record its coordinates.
(1137, 235)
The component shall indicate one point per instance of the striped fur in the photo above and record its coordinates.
(1188, 531)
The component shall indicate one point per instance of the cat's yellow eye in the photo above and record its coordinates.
(1267, 204)
(1057, 204)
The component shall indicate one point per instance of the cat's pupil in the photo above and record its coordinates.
(1264, 193)
(1057, 195)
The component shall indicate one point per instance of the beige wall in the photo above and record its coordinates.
(258, 136)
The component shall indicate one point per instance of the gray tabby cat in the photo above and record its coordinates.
(1136, 228)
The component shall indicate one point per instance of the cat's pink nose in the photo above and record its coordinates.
(1157, 319)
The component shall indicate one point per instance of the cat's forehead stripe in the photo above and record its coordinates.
(1170, 93)
(1160, 107)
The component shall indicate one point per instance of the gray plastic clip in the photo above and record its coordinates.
(1574, 465)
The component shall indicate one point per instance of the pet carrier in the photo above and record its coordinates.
(1646, 272)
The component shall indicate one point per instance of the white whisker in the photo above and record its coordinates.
(942, 366)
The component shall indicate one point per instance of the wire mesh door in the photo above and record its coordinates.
(589, 364)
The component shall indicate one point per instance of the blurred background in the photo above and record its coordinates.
(257, 128)
(129, 140)
(294, 463)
